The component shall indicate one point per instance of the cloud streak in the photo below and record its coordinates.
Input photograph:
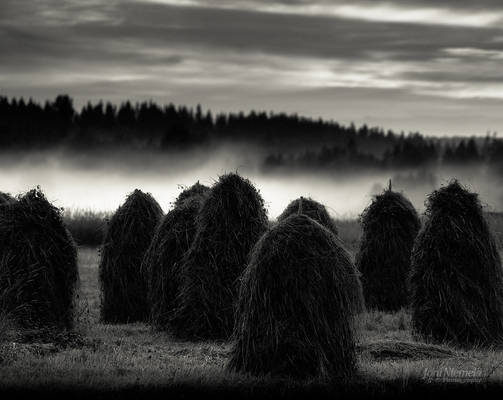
(393, 12)
(273, 55)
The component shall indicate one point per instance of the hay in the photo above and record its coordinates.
(356, 289)
(6, 198)
(390, 224)
(319, 213)
(312, 209)
(456, 279)
(195, 190)
(230, 221)
(38, 264)
(161, 264)
(398, 350)
(129, 233)
(294, 308)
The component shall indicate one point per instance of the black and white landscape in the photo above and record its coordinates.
(251, 197)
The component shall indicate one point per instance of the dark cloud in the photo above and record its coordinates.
(294, 34)
(111, 49)
(26, 49)
(456, 76)
(184, 27)
(454, 4)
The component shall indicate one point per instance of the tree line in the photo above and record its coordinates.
(408, 151)
(29, 124)
(292, 141)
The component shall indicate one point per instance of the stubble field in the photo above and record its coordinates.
(119, 357)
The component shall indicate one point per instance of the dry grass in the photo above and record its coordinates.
(114, 357)
(86, 226)
(350, 232)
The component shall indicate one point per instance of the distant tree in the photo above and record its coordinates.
(472, 151)
(274, 161)
(411, 151)
(28, 124)
(126, 115)
(176, 137)
(63, 105)
(465, 152)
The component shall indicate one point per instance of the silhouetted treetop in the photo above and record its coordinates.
(292, 140)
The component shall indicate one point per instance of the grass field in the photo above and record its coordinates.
(116, 357)
(88, 227)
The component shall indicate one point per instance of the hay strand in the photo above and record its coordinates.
(399, 350)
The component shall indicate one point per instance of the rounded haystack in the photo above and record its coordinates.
(6, 198)
(312, 209)
(390, 225)
(231, 220)
(38, 264)
(130, 231)
(294, 308)
(162, 262)
(195, 190)
(456, 280)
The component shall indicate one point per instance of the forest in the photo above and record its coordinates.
(286, 141)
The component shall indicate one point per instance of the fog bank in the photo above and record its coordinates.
(101, 181)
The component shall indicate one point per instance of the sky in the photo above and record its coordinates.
(413, 65)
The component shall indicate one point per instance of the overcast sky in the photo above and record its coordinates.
(427, 65)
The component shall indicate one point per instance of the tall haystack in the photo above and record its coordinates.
(294, 308)
(390, 225)
(311, 208)
(230, 221)
(195, 190)
(129, 233)
(161, 264)
(38, 264)
(456, 280)
(319, 213)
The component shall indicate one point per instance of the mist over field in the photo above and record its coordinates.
(93, 157)
(101, 180)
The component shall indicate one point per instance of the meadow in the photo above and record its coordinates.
(88, 227)
(119, 357)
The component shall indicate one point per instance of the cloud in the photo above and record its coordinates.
(435, 13)
(274, 55)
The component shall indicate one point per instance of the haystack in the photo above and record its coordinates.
(38, 264)
(6, 198)
(456, 280)
(390, 225)
(195, 190)
(294, 308)
(311, 208)
(129, 233)
(161, 264)
(230, 221)
(319, 213)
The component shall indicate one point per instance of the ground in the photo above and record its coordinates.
(115, 357)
